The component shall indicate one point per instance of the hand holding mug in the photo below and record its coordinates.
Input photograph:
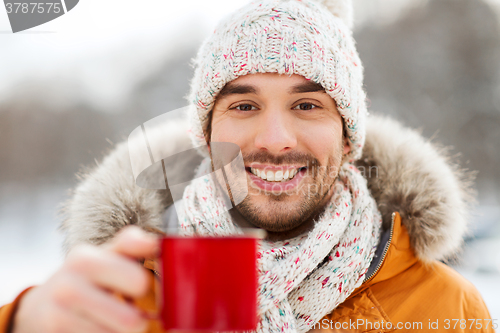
(79, 296)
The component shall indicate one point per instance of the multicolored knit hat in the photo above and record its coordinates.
(311, 38)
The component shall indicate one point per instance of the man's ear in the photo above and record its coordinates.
(347, 146)
(208, 132)
(208, 138)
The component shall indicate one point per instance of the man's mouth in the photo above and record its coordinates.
(275, 175)
(276, 179)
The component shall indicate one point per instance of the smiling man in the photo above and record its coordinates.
(359, 211)
(292, 140)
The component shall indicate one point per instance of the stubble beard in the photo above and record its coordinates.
(280, 214)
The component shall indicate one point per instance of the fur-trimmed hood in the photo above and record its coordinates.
(405, 173)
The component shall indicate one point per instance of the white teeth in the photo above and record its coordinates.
(278, 176)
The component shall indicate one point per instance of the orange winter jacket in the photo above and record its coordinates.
(405, 294)
(402, 294)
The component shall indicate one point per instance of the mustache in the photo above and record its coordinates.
(289, 158)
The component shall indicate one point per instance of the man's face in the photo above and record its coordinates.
(290, 135)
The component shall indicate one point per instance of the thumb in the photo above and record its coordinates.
(133, 242)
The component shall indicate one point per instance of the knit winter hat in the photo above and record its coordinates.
(312, 38)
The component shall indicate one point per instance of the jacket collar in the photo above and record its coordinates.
(394, 254)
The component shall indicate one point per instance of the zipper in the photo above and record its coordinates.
(386, 249)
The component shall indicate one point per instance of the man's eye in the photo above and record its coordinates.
(305, 106)
(244, 107)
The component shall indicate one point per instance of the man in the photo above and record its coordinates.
(358, 210)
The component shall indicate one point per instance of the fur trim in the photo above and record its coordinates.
(419, 180)
(405, 173)
(107, 198)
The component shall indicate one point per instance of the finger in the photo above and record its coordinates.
(109, 270)
(132, 241)
(59, 319)
(81, 324)
(93, 306)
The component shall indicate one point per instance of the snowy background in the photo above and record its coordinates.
(72, 87)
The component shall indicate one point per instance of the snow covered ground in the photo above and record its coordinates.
(30, 245)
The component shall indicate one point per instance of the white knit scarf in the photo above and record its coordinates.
(304, 278)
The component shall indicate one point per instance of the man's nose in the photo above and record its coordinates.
(275, 133)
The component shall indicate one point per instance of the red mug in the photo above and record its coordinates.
(209, 283)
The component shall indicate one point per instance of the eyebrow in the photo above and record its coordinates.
(240, 89)
(306, 87)
(233, 88)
